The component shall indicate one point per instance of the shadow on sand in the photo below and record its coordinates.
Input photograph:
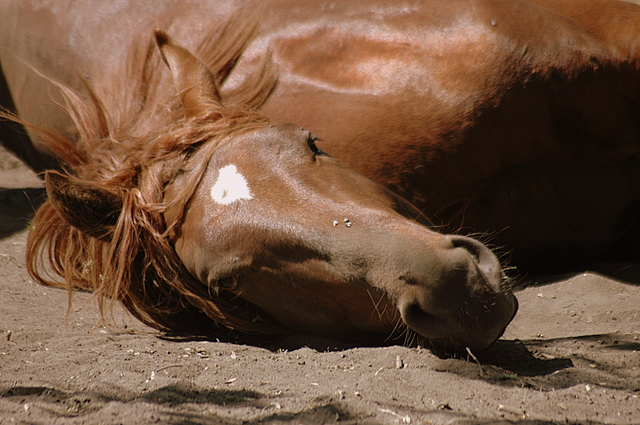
(17, 206)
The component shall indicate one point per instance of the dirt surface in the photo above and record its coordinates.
(571, 356)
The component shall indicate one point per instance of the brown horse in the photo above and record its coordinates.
(200, 210)
(513, 118)
(490, 116)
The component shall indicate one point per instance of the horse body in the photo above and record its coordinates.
(515, 118)
(497, 117)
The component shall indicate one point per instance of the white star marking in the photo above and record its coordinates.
(230, 187)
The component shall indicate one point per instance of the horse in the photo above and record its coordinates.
(511, 119)
(195, 208)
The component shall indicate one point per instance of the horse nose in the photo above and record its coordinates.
(455, 296)
(484, 258)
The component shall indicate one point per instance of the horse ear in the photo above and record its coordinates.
(87, 207)
(195, 82)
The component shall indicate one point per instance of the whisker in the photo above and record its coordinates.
(376, 304)
(398, 330)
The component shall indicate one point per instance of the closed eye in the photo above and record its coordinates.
(311, 142)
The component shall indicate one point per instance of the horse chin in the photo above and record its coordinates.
(458, 333)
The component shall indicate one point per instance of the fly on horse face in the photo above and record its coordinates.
(180, 192)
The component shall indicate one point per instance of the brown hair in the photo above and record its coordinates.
(132, 142)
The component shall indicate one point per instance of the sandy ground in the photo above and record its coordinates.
(571, 356)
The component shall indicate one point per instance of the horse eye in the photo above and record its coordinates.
(311, 142)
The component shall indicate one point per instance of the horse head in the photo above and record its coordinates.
(256, 214)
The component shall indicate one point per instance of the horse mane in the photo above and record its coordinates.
(133, 141)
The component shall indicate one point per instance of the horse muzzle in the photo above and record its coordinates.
(455, 297)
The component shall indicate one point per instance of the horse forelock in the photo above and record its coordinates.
(132, 140)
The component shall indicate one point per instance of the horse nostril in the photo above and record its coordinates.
(417, 318)
(487, 262)
(468, 244)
